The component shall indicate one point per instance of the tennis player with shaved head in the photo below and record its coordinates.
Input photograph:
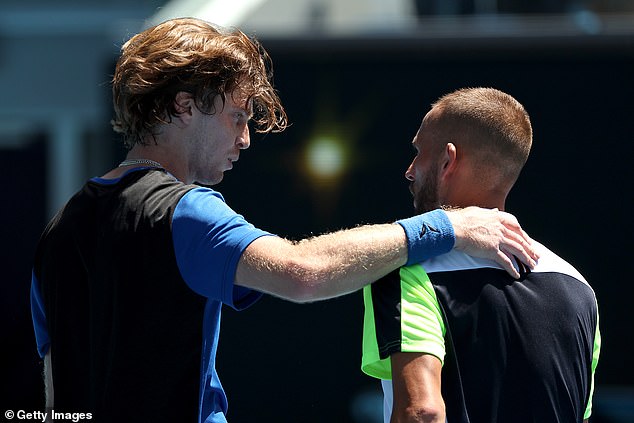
(454, 337)
(130, 276)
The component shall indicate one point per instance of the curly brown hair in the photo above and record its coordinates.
(194, 56)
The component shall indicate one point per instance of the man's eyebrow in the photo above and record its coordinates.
(247, 108)
(238, 109)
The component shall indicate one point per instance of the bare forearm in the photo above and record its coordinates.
(416, 389)
(325, 266)
(346, 261)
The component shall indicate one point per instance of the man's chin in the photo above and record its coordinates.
(424, 208)
(208, 182)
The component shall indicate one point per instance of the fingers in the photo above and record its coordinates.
(504, 261)
(495, 235)
(532, 244)
(516, 241)
(514, 245)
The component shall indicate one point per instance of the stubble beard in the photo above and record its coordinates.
(426, 198)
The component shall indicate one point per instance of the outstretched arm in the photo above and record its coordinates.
(322, 267)
(342, 262)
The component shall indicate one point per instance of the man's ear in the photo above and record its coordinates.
(449, 160)
(183, 105)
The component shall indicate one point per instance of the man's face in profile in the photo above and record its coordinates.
(423, 172)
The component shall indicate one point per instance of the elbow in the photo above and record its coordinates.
(427, 413)
(305, 282)
(303, 289)
(302, 295)
(288, 270)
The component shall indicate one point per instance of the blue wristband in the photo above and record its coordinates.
(428, 235)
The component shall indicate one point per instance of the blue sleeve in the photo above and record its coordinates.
(209, 238)
(39, 318)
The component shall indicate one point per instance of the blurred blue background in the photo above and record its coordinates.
(356, 78)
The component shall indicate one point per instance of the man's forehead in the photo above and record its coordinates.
(425, 132)
(432, 114)
(239, 100)
(421, 128)
(431, 119)
(417, 141)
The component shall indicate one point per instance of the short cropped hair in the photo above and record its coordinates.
(491, 124)
(194, 56)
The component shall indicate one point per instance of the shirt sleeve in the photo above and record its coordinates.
(38, 315)
(423, 328)
(402, 314)
(209, 238)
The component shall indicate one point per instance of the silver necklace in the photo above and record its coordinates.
(129, 162)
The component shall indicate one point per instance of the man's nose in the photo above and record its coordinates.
(409, 173)
(243, 141)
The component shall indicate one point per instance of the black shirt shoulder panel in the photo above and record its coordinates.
(113, 293)
(523, 348)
